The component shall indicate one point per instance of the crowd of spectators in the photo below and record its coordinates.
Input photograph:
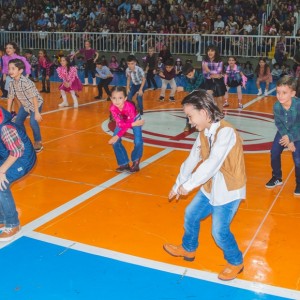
(161, 16)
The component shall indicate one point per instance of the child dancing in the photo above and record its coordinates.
(71, 83)
(126, 116)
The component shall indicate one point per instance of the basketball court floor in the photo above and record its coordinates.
(91, 233)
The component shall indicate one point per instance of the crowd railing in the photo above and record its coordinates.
(179, 44)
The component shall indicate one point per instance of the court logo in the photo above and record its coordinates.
(164, 128)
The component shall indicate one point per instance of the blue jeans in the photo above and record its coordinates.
(276, 158)
(21, 117)
(133, 90)
(137, 152)
(222, 215)
(8, 213)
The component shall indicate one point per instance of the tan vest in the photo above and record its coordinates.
(233, 168)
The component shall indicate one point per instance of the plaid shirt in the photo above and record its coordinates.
(136, 76)
(213, 66)
(12, 141)
(288, 121)
(25, 90)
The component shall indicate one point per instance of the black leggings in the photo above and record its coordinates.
(89, 67)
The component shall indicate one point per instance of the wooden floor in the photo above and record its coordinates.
(74, 198)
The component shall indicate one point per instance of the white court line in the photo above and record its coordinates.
(174, 269)
(26, 229)
(257, 98)
(267, 214)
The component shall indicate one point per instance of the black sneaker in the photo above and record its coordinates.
(274, 182)
(161, 98)
(123, 168)
(172, 99)
(297, 190)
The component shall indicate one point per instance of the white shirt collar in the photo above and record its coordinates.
(212, 130)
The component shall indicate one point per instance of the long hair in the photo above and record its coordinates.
(68, 62)
(217, 53)
(201, 99)
(266, 68)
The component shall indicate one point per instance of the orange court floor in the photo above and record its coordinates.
(75, 200)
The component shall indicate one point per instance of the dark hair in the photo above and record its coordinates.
(217, 53)
(288, 81)
(67, 60)
(46, 55)
(169, 62)
(18, 63)
(119, 88)
(265, 68)
(131, 58)
(187, 68)
(201, 99)
(28, 51)
(15, 46)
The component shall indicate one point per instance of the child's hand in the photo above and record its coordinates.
(291, 147)
(284, 141)
(141, 92)
(180, 89)
(47, 77)
(113, 140)
(38, 117)
(138, 123)
(3, 182)
(66, 84)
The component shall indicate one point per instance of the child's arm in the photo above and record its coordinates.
(244, 79)
(37, 115)
(142, 85)
(128, 84)
(138, 123)
(15, 146)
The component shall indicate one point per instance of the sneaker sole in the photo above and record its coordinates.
(272, 187)
(38, 150)
(297, 194)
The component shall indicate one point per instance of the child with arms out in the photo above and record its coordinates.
(287, 120)
(126, 116)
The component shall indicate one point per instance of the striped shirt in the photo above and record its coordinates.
(288, 121)
(12, 141)
(25, 90)
(214, 68)
(136, 76)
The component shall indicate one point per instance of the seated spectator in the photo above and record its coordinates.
(219, 23)
(248, 70)
(247, 26)
(113, 64)
(276, 71)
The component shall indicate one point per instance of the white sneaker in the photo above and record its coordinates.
(259, 93)
(266, 93)
(63, 104)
